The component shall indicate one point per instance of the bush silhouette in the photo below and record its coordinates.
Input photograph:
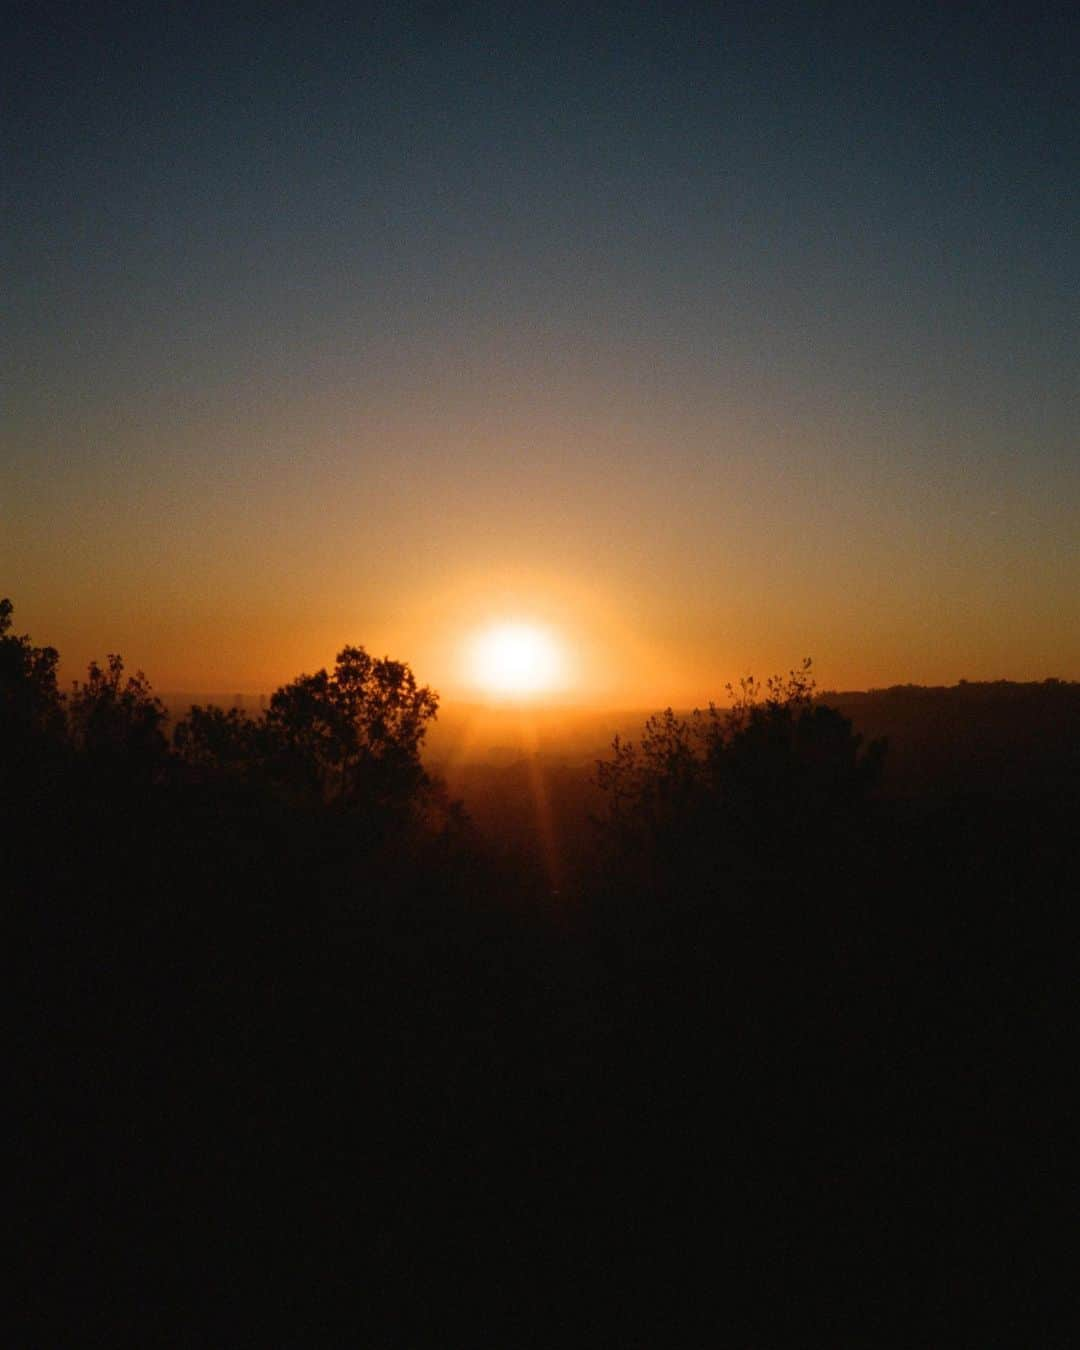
(31, 706)
(349, 738)
(118, 723)
(771, 789)
(354, 734)
(215, 742)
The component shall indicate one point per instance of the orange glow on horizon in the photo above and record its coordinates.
(535, 637)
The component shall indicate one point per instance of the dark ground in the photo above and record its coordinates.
(320, 1087)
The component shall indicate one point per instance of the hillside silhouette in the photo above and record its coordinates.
(775, 992)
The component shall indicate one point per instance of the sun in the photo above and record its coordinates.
(516, 660)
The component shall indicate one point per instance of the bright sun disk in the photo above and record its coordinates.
(516, 660)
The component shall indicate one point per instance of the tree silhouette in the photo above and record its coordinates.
(32, 730)
(31, 706)
(354, 734)
(118, 722)
(768, 788)
(216, 742)
(349, 737)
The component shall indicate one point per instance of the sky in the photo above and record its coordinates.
(706, 336)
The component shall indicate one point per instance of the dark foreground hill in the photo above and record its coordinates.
(1001, 738)
(335, 1071)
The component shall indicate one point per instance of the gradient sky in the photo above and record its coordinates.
(711, 335)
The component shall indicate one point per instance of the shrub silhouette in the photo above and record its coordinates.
(353, 735)
(118, 723)
(31, 706)
(771, 789)
(215, 742)
(33, 740)
(348, 738)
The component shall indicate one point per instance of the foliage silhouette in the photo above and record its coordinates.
(33, 739)
(354, 734)
(216, 741)
(347, 741)
(774, 788)
(31, 706)
(118, 722)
